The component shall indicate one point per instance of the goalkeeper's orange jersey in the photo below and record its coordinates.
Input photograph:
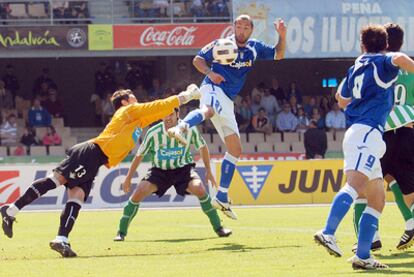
(116, 140)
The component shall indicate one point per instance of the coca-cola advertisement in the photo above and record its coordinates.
(189, 36)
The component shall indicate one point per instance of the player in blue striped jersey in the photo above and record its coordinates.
(367, 96)
(219, 88)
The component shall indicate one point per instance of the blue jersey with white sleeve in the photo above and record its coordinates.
(370, 84)
(236, 72)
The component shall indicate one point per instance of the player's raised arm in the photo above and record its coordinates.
(200, 62)
(403, 61)
(280, 47)
(342, 95)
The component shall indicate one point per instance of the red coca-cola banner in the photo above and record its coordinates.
(168, 36)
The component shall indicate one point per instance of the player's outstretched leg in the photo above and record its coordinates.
(340, 206)
(212, 215)
(359, 206)
(37, 189)
(130, 210)
(407, 238)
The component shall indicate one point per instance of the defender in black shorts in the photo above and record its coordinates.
(173, 166)
(78, 170)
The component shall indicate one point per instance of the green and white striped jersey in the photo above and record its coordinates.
(403, 112)
(165, 152)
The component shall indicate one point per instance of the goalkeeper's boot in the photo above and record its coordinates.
(329, 242)
(370, 263)
(177, 133)
(62, 248)
(224, 207)
(7, 222)
(223, 232)
(119, 237)
(406, 240)
(191, 93)
(375, 246)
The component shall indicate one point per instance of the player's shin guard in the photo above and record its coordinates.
(405, 211)
(37, 189)
(359, 207)
(227, 171)
(193, 118)
(130, 210)
(68, 217)
(367, 228)
(340, 206)
(208, 209)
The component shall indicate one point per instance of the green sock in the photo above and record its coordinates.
(210, 212)
(130, 210)
(405, 211)
(359, 207)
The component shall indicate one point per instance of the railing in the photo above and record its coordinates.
(51, 12)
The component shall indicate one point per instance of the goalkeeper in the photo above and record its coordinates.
(172, 165)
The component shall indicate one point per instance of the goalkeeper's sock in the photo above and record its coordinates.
(210, 211)
(68, 217)
(359, 207)
(130, 210)
(193, 118)
(399, 199)
(227, 171)
(36, 190)
(368, 227)
(340, 206)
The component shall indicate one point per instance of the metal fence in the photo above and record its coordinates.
(52, 12)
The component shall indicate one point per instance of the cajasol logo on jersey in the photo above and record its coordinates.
(170, 153)
(254, 177)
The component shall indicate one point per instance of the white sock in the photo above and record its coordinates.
(376, 237)
(62, 239)
(12, 210)
(409, 224)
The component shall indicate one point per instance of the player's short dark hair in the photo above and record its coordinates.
(118, 96)
(374, 38)
(395, 36)
(244, 17)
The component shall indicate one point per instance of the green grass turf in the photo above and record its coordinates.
(265, 242)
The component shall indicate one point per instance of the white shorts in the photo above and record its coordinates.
(363, 148)
(224, 119)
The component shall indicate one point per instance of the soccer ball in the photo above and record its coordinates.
(225, 51)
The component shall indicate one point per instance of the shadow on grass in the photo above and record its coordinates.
(235, 247)
(172, 240)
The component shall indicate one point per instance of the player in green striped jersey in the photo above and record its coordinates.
(397, 163)
(172, 165)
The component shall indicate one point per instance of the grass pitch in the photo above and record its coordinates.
(265, 242)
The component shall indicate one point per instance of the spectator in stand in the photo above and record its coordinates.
(4, 11)
(197, 8)
(60, 9)
(133, 76)
(109, 81)
(286, 121)
(217, 8)
(258, 90)
(51, 137)
(261, 122)
(295, 91)
(325, 106)
(141, 93)
(316, 141)
(29, 137)
(256, 101)
(245, 116)
(44, 78)
(107, 109)
(78, 9)
(157, 89)
(303, 120)
(320, 121)
(6, 97)
(52, 104)
(10, 81)
(100, 80)
(294, 105)
(43, 93)
(270, 104)
(39, 116)
(8, 131)
(160, 7)
(335, 119)
(144, 8)
(310, 105)
(277, 91)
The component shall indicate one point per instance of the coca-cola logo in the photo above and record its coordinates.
(228, 31)
(179, 36)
